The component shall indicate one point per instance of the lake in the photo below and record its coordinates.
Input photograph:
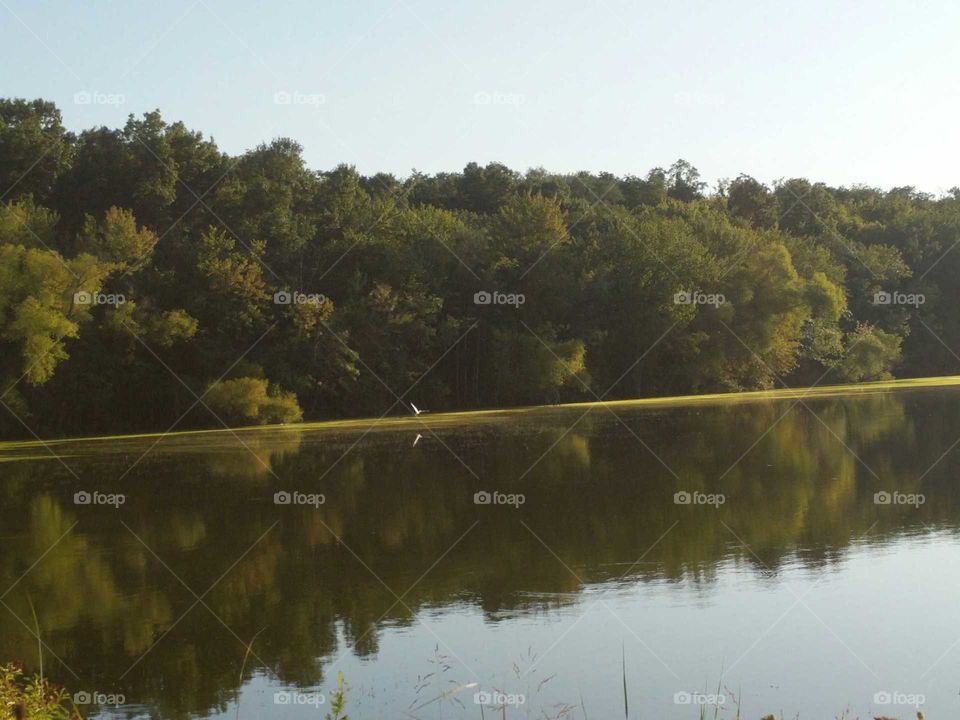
(798, 555)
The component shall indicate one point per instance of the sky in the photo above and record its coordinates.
(842, 92)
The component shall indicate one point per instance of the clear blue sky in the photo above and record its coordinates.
(844, 92)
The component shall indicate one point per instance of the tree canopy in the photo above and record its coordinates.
(148, 279)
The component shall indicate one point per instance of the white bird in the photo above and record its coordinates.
(416, 410)
(417, 439)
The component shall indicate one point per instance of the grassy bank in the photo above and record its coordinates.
(448, 419)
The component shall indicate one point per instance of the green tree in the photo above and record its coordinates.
(35, 148)
(871, 354)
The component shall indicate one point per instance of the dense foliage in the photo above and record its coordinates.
(149, 280)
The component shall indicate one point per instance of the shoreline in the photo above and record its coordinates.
(447, 418)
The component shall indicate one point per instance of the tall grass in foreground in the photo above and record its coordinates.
(623, 665)
(32, 698)
(35, 698)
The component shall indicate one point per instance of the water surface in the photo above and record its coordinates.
(797, 588)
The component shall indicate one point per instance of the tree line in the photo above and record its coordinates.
(149, 280)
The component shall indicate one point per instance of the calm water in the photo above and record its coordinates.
(793, 588)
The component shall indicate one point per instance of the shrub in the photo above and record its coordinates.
(31, 698)
(249, 400)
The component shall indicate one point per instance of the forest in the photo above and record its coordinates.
(150, 281)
